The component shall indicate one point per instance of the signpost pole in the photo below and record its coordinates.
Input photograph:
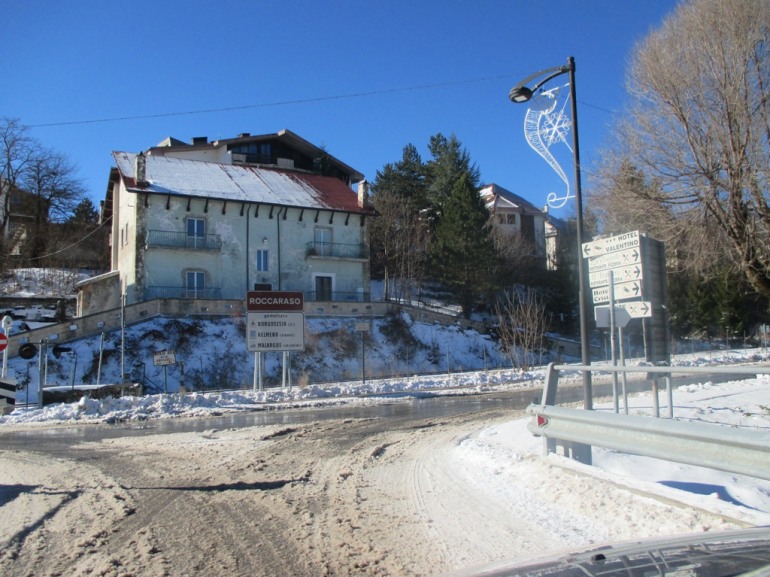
(623, 375)
(283, 370)
(254, 375)
(613, 343)
(7, 323)
(41, 373)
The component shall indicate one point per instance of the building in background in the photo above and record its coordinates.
(214, 220)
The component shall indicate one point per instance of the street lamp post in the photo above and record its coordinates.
(522, 93)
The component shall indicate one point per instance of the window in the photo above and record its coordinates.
(195, 284)
(196, 232)
(323, 241)
(323, 288)
(256, 152)
(263, 259)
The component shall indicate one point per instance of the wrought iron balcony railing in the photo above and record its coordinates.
(180, 292)
(337, 296)
(175, 239)
(336, 250)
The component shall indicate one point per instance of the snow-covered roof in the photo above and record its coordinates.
(496, 196)
(237, 183)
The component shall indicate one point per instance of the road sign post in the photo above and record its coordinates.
(7, 324)
(275, 321)
(163, 359)
(638, 265)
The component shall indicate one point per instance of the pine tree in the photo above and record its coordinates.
(449, 163)
(84, 213)
(462, 250)
(398, 238)
(405, 179)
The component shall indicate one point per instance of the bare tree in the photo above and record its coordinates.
(42, 181)
(699, 128)
(522, 321)
(16, 148)
(400, 239)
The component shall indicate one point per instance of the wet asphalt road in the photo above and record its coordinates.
(394, 411)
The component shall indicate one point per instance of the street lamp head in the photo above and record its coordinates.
(520, 94)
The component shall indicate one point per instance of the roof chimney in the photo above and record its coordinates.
(140, 172)
(244, 135)
(199, 140)
(363, 194)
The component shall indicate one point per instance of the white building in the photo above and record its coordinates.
(214, 220)
(514, 215)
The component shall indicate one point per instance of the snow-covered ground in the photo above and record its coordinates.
(501, 459)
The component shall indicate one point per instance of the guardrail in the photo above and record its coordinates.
(572, 432)
(553, 372)
(706, 445)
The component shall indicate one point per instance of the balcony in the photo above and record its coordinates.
(174, 239)
(180, 292)
(337, 296)
(336, 250)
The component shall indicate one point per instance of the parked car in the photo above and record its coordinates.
(722, 554)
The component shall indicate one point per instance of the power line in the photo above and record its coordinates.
(77, 242)
(271, 104)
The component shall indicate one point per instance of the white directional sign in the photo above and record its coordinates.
(638, 309)
(620, 274)
(164, 357)
(631, 310)
(615, 260)
(275, 331)
(623, 291)
(611, 244)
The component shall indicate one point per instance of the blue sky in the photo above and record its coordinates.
(362, 79)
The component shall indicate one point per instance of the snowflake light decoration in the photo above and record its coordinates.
(545, 125)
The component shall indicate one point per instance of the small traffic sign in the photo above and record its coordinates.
(611, 244)
(602, 316)
(615, 260)
(3, 341)
(162, 358)
(275, 331)
(638, 309)
(621, 274)
(623, 291)
(634, 309)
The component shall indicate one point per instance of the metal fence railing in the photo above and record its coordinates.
(572, 432)
(175, 239)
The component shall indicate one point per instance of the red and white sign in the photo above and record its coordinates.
(275, 301)
(276, 321)
(3, 342)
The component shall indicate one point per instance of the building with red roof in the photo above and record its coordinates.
(214, 220)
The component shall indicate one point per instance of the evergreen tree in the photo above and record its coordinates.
(450, 162)
(405, 179)
(398, 238)
(462, 249)
(84, 213)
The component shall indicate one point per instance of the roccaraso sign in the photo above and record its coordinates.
(275, 301)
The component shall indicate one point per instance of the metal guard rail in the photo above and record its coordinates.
(718, 447)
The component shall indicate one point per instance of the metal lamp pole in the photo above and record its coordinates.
(520, 94)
